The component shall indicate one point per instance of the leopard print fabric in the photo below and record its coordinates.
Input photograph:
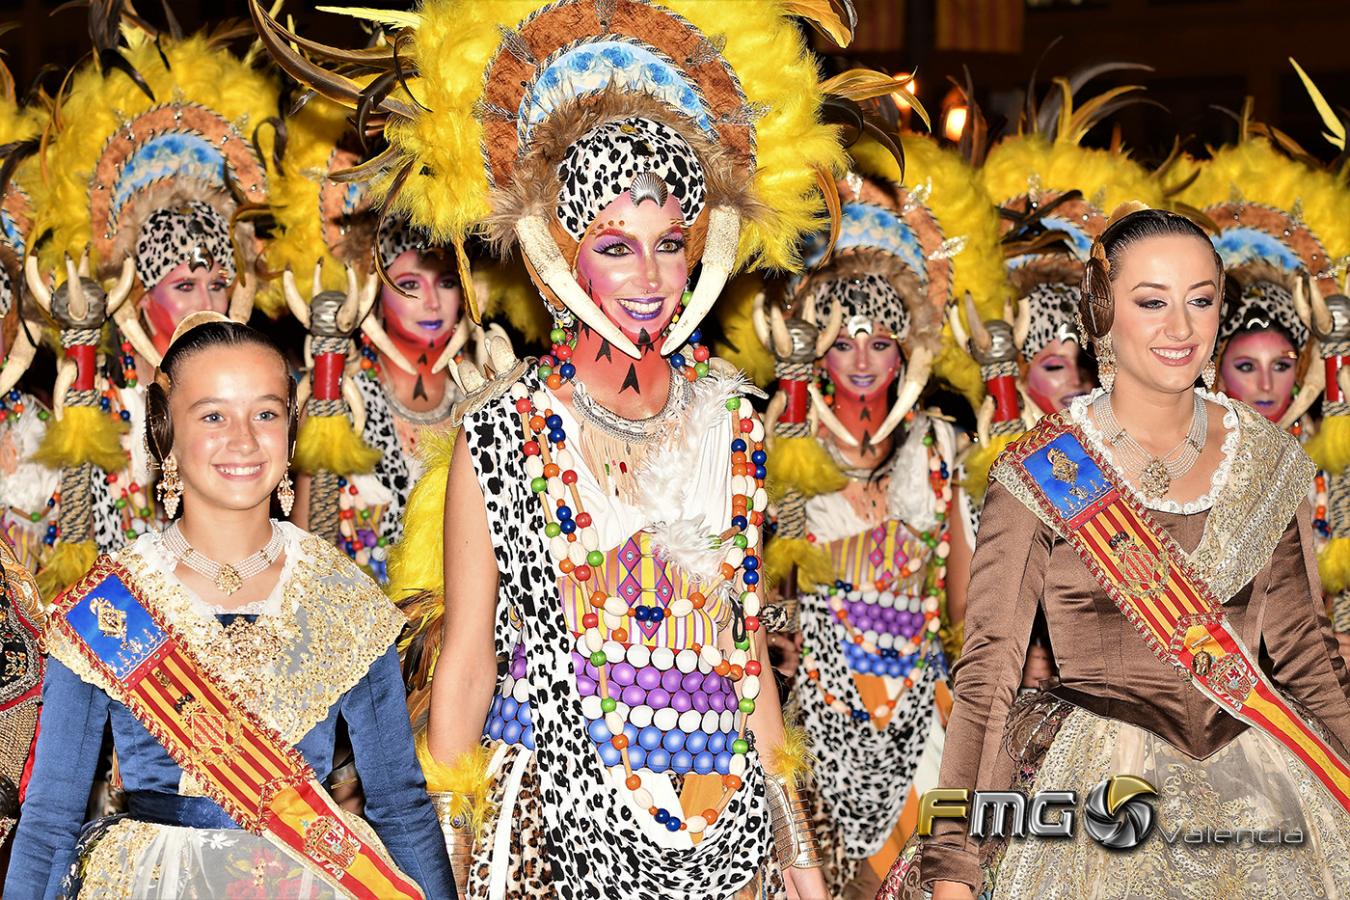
(195, 233)
(1053, 307)
(392, 469)
(601, 166)
(590, 837)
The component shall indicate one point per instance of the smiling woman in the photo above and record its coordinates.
(1161, 530)
(247, 639)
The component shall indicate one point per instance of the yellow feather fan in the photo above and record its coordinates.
(814, 566)
(96, 104)
(1330, 447)
(447, 189)
(978, 461)
(802, 463)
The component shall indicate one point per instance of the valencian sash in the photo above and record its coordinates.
(1151, 581)
(262, 782)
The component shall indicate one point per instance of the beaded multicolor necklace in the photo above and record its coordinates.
(574, 546)
(938, 539)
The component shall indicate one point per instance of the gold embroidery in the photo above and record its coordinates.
(327, 841)
(111, 620)
(1143, 574)
(288, 669)
(215, 737)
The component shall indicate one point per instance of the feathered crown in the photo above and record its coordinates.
(20, 127)
(1055, 197)
(717, 99)
(156, 159)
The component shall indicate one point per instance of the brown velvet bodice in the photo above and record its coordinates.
(1104, 665)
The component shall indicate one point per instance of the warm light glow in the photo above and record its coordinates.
(955, 123)
(903, 96)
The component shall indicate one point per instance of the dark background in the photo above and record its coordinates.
(1204, 53)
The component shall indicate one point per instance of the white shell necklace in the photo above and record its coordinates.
(227, 578)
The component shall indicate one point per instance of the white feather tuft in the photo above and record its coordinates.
(689, 544)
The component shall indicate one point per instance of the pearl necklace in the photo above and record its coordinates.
(227, 578)
(1156, 473)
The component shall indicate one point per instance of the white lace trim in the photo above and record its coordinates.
(1078, 411)
(150, 547)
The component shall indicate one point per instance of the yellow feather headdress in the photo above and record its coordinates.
(119, 150)
(495, 91)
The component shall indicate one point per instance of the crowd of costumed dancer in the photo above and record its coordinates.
(578, 448)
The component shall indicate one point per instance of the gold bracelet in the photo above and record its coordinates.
(794, 843)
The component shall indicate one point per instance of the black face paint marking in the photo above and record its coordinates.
(644, 338)
(419, 390)
(865, 415)
(605, 352)
(630, 381)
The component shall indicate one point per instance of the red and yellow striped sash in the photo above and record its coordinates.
(1151, 581)
(262, 782)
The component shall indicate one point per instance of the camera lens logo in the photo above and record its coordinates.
(1117, 815)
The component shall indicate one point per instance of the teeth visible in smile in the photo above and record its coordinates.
(240, 470)
(1172, 354)
(641, 306)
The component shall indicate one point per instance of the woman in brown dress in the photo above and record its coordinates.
(1164, 531)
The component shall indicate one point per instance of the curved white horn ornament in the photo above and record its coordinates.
(17, 360)
(543, 253)
(719, 259)
(828, 418)
(916, 376)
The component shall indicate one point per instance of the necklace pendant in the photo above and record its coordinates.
(1155, 480)
(228, 580)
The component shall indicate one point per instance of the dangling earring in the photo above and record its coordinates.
(1106, 362)
(286, 495)
(170, 487)
(1209, 375)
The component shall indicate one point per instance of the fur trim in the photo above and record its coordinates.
(1330, 447)
(67, 565)
(1333, 564)
(791, 760)
(466, 778)
(665, 484)
(411, 571)
(813, 564)
(447, 191)
(802, 463)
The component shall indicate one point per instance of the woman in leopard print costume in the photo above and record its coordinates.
(603, 507)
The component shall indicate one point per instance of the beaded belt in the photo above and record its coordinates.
(680, 714)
